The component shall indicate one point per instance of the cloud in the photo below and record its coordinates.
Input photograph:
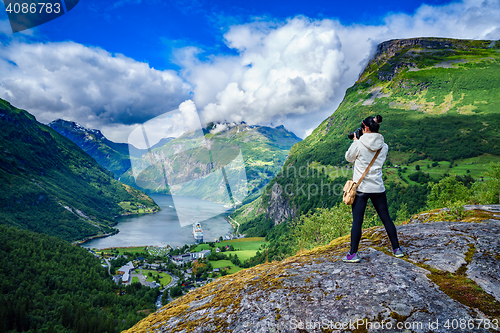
(470, 19)
(86, 84)
(292, 72)
(292, 68)
(296, 72)
(219, 128)
(170, 124)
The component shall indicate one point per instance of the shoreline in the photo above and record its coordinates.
(228, 219)
(127, 247)
(138, 214)
(83, 241)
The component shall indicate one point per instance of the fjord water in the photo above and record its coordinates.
(163, 228)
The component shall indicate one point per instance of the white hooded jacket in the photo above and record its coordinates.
(361, 152)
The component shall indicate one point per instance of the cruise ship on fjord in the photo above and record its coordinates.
(197, 233)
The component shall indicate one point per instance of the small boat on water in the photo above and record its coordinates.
(197, 233)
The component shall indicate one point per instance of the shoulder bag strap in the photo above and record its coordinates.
(368, 167)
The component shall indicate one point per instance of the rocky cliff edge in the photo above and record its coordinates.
(449, 281)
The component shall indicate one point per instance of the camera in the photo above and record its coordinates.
(358, 133)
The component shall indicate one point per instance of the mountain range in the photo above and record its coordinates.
(113, 156)
(264, 150)
(49, 185)
(439, 101)
(191, 164)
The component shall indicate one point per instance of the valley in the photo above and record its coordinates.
(66, 190)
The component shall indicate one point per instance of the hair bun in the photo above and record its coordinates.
(378, 118)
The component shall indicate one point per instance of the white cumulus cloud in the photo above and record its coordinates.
(292, 68)
(293, 72)
(86, 84)
(296, 72)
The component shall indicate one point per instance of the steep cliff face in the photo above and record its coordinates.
(396, 55)
(450, 275)
(279, 209)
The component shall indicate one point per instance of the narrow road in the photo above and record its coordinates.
(109, 265)
(236, 223)
(172, 283)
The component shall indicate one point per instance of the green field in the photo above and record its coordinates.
(474, 166)
(164, 277)
(246, 247)
(226, 263)
(122, 250)
(133, 208)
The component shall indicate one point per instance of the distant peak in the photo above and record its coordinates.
(74, 127)
(62, 122)
(162, 142)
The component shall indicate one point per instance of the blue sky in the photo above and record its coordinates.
(115, 64)
(149, 30)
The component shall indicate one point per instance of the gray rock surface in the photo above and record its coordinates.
(279, 208)
(315, 291)
(439, 245)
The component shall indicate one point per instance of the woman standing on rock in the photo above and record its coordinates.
(361, 152)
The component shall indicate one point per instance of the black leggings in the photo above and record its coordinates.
(379, 201)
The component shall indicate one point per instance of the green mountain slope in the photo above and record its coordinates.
(49, 185)
(110, 155)
(440, 103)
(195, 156)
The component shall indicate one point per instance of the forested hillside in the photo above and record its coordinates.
(48, 285)
(439, 100)
(48, 184)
